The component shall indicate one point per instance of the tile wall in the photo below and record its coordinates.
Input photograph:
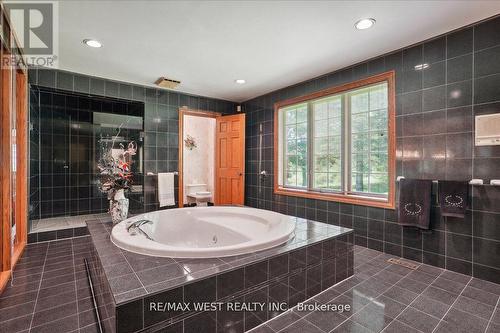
(68, 150)
(160, 116)
(435, 129)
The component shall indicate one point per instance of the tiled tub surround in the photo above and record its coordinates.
(161, 117)
(319, 256)
(435, 130)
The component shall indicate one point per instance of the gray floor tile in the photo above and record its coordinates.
(418, 320)
(421, 276)
(459, 321)
(386, 305)
(350, 326)
(301, 326)
(430, 306)
(480, 295)
(401, 295)
(496, 316)
(454, 276)
(485, 285)
(440, 295)
(493, 328)
(373, 320)
(474, 307)
(283, 320)
(411, 285)
(398, 327)
(261, 329)
(448, 285)
(327, 321)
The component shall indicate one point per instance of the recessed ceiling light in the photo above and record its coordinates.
(92, 43)
(365, 23)
(420, 67)
(240, 81)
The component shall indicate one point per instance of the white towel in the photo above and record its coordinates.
(166, 195)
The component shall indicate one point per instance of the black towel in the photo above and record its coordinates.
(453, 197)
(414, 202)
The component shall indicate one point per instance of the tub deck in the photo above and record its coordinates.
(130, 286)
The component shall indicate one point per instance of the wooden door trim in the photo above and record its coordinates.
(8, 259)
(22, 140)
(184, 111)
(217, 157)
(5, 158)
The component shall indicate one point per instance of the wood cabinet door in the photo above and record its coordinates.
(230, 160)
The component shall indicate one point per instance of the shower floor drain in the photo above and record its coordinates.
(403, 263)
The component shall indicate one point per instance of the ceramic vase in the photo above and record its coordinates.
(118, 207)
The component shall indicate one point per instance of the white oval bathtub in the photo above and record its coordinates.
(205, 232)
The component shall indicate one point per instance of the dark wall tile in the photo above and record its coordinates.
(487, 34)
(459, 42)
(202, 291)
(459, 94)
(484, 62)
(435, 122)
(459, 119)
(435, 50)
(458, 145)
(486, 273)
(129, 317)
(459, 246)
(460, 266)
(486, 225)
(230, 283)
(434, 98)
(459, 68)
(435, 75)
(487, 89)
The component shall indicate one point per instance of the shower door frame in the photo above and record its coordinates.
(184, 111)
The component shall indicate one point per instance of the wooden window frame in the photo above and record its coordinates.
(389, 202)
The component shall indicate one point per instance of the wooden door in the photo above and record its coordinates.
(230, 160)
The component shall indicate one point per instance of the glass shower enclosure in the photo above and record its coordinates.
(72, 128)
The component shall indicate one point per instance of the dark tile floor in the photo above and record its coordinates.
(389, 298)
(49, 293)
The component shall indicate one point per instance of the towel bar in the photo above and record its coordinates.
(176, 173)
(471, 182)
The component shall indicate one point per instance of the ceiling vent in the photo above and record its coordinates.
(167, 83)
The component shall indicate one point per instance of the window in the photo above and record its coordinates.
(338, 144)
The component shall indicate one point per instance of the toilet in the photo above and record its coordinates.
(198, 193)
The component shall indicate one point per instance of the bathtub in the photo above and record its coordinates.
(205, 232)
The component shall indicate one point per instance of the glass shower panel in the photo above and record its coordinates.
(72, 126)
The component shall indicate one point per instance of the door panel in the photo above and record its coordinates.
(230, 157)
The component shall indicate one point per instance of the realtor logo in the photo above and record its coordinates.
(36, 28)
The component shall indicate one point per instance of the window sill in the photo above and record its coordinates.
(344, 198)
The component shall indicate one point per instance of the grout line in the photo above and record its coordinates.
(39, 287)
(370, 300)
(493, 314)
(420, 294)
(76, 286)
(451, 306)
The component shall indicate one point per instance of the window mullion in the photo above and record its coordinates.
(310, 146)
(347, 143)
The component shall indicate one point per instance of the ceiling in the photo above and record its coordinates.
(270, 44)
